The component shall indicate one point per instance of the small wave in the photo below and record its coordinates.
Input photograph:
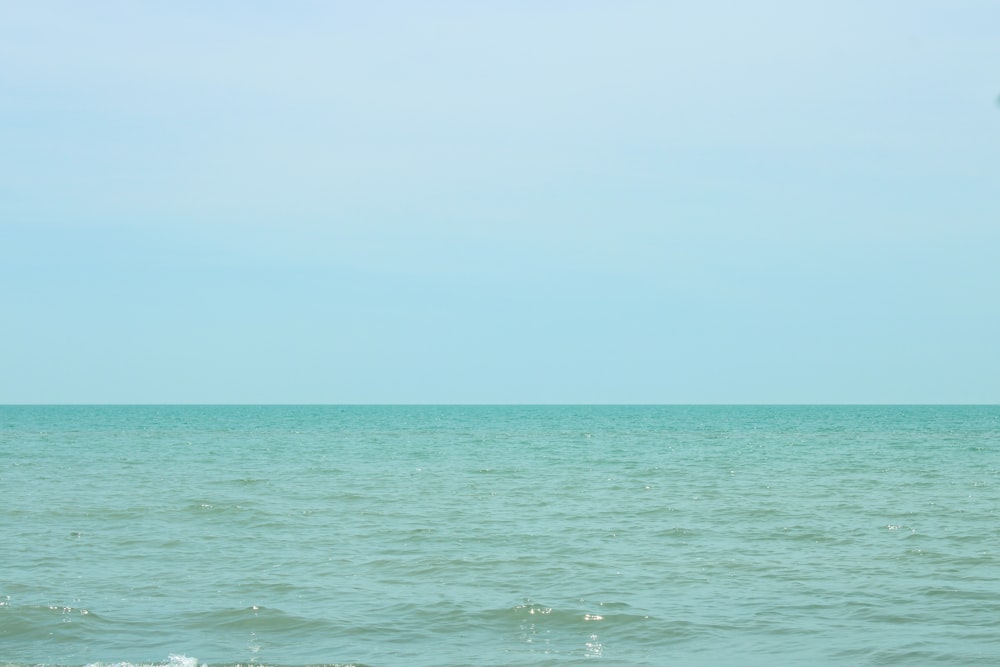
(612, 613)
(259, 619)
(246, 481)
(31, 618)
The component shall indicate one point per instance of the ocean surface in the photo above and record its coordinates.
(445, 536)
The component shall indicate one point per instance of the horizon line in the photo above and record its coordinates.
(512, 404)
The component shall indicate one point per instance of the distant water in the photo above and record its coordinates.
(423, 536)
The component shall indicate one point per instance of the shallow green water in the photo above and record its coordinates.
(500, 535)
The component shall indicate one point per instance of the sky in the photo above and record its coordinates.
(500, 202)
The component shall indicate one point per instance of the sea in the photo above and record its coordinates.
(419, 536)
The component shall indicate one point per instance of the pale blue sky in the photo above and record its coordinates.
(508, 202)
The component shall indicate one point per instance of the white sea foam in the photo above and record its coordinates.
(173, 660)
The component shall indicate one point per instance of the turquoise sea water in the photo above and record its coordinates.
(567, 535)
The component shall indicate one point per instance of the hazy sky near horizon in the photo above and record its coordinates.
(507, 202)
